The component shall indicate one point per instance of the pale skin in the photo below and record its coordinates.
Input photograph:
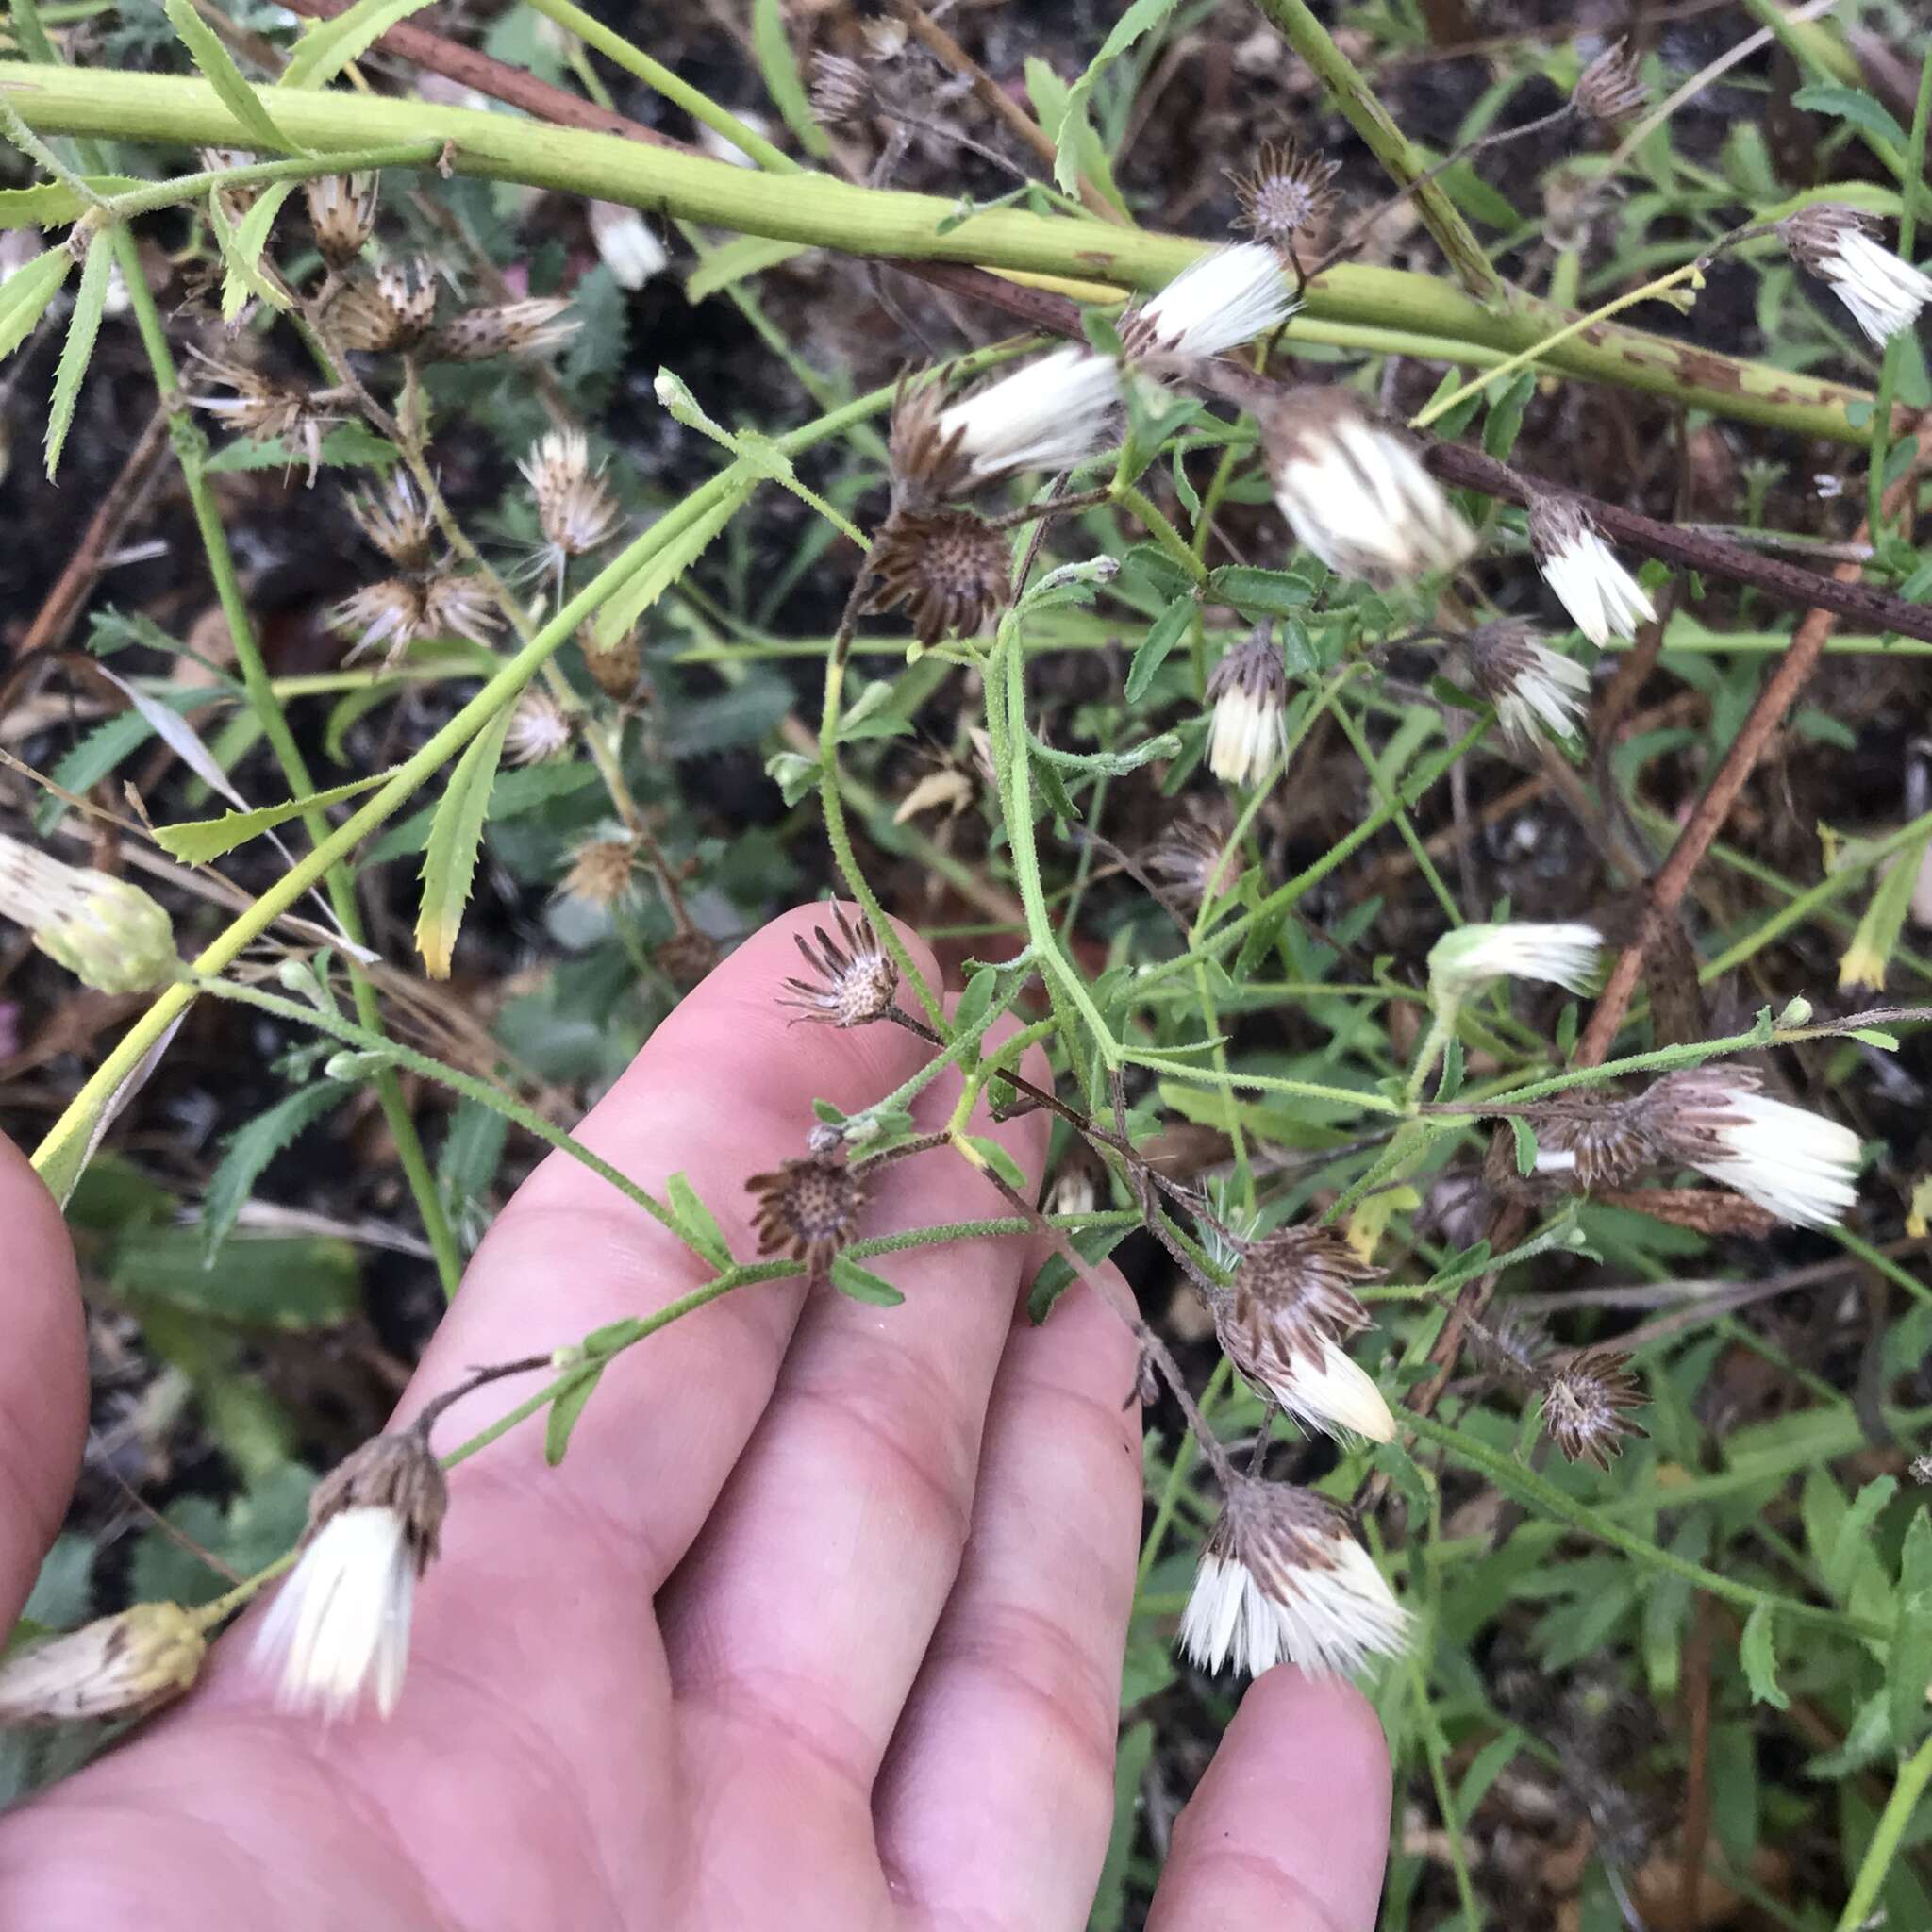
(819, 1627)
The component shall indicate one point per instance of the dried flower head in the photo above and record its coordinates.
(341, 211)
(105, 931)
(122, 1666)
(1282, 1580)
(1528, 683)
(1834, 243)
(1247, 694)
(686, 956)
(339, 1624)
(1222, 299)
(603, 870)
(1565, 954)
(1603, 600)
(1611, 89)
(1354, 492)
(854, 978)
(1793, 1163)
(460, 606)
(808, 1209)
(1048, 414)
(1288, 190)
(504, 328)
(395, 308)
(387, 617)
(262, 409)
(614, 667)
(575, 508)
(538, 730)
(948, 569)
(626, 243)
(1599, 1140)
(1512, 1350)
(841, 91)
(397, 520)
(1586, 1400)
(1284, 1321)
(1192, 862)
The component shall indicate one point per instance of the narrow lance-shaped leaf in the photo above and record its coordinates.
(198, 840)
(178, 735)
(1867, 958)
(324, 51)
(449, 864)
(25, 296)
(1141, 18)
(782, 79)
(249, 1149)
(225, 78)
(77, 352)
(242, 244)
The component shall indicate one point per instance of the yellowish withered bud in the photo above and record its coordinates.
(108, 933)
(119, 1666)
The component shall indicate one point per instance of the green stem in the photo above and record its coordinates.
(180, 188)
(1895, 347)
(1163, 532)
(1899, 1812)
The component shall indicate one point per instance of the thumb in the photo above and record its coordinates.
(43, 1377)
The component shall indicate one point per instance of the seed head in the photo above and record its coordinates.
(575, 508)
(461, 607)
(122, 1666)
(265, 410)
(1611, 89)
(105, 931)
(1603, 600)
(947, 569)
(1247, 694)
(613, 667)
(397, 521)
(603, 871)
(841, 91)
(1833, 241)
(1283, 1581)
(1222, 299)
(1190, 861)
(686, 956)
(626, 243)
(1585, 1402)
(1566, 955)
(387, 617)
(1513, 1350)
(1528, 683)
(1355, 494)
(341, 211)
(1602, 1142)
(1288, 191)
(854, 978)
(508, 328)
(537, 731)
(1284, 1321)
(395, 308)
(808, 1209)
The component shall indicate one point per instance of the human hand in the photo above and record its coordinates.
(819, 1626)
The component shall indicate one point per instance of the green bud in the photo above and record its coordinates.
(105, 931)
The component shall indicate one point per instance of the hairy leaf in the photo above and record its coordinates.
(248, 1151)
(449, 862)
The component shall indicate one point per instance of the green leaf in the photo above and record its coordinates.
(1092, 1244)
(655, 576)
(248, 1151)
(348, 445)
(52, 204)
(1526, 1145)
(513, 792)
(744, 254)
(1867, 958)
(1050, 96)
(976, 1002)
(862, 1285)
(198, 840)
(1909, 1665)
(25, 296)
(1002, 1163)
(1259, 593)
(1759, 1655)
(1163, 634)
(1852, 104)
(783, 81)
(1451, 1082)
(77, 352)
(696, 1223)
(324, 51)
(449, 861)
(225, 78)
(242, 244)
(1851, 1546)
(282, 1281)
(566, 1406)
(1141, 18)
(1504, 423)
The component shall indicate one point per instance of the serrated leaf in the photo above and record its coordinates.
(1163, 634)
(449, 861)
(696, 1223)
(347, 445)
(242, 244)
(1909, 1665)
(657, 573)
(222, 73)
(1758, 1652)
(197, 840)
(248, 1151)
(862, 1285)
(514, 791)
(324, 51)
(783, 81)
(1141, 18)
(1854, 105)
(566, 1406)
(77, 352)
(52, 204)
(25, 296)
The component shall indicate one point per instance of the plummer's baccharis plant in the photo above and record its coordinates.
(809, 1208)
(1533, 687)
(1247, 698)
(107, 932)
(852, 978)
(1835, 243)
(1461, 962)
(1603, 600)
(119, 1667)
(576, 510)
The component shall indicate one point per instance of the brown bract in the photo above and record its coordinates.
(341, 212)
(1287, 190)
(854, 977)
(1585, 1405)
(398, 1473)
(1290, 1297)
(507, 329)
(947, 569)
(808, 1209)
(1815, 235)
(927, 464)
(395, 308)
(1610, 88)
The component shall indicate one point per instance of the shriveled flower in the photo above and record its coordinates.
(341, 211)
(1247, 694)
(1611, 88)
(616, 666)
(1793, 1163)
(1284, 1321)
(1598, 1139)
(387, 617)
(1834, 243)
(948, 570)
(1512, 1350)
(1222, 299)
(626, 243)
(1287, 191)
(1282, 1580)
(504, 328)
(339, 1624)
(575, 507)
(395, 308)
(1566, 953)
(537, 731)
(841, 91)
(105, 931)
(1586, 1404)
(262, 409)
(808, 1209)
(461, 607)
(1048, 414)
(1526, 681)
(397, 520)
(1603, 600)
(1190, 861)
(686, 956)
(1354, 492)
(603, 869)
(854, 978)
(121, 1666)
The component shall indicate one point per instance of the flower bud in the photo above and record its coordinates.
(108, 933)
(121, 1666)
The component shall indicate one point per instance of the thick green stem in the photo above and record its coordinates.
(816, 211)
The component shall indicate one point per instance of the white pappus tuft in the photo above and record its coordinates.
(1603, 600)
(1221, 300)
